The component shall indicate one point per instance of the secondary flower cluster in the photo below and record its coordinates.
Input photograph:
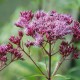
(9, 49)
(76, 31)
(66, 49)
(43, 28)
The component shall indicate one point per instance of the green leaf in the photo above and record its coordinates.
(42, 65)
(60, 77)
(37, 75)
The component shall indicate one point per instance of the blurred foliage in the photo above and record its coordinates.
(9, 12)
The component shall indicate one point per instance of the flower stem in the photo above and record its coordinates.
(49, 68)
(57, 67)
(49, 78)
(34, 63)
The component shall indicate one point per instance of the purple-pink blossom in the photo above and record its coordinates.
(65, 49)
(3, 49)
(50, 25)
(38, 40)
(15, 40)
(44, 28)
(24, 19)
(29, 43)
(76, 31)
(40, 14)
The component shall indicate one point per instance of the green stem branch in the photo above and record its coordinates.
(34, 62)
(57, 67)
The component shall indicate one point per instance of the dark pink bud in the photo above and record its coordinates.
(20, 34)
(18, 55)
(75, 55)
(3, 49)
(9, 46)
(65, 49)
(24, 19)
(76, 31)
(3, 58)
(19, 24)
(28, 15)
(40, 14)
(29, 31)
(29, 43)
(15, 40)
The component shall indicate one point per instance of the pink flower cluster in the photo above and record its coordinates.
(52, 25)
(3, 50)
(43, 28)
(76, 31)
(24, 19)
(65, 49)
(9, 49)
(49, 27)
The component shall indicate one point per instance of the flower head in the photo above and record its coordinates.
(29, 44)
(76, 31)
(65, 49)
(3, 58)
(20, 33)
(40, 14)
(75, 55)
(52, 25)
(24, 19)
(3, 49)
(38, 40)
(16, 53)
(15, 40)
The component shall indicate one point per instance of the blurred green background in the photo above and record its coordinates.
(9, 13)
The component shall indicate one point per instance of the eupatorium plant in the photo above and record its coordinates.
(45, 29)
